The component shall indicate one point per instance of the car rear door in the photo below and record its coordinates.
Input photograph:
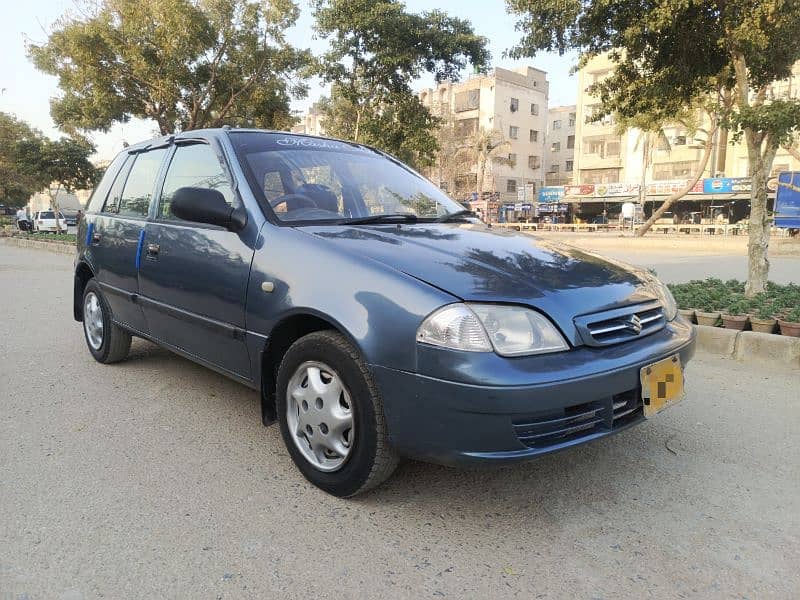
(193, 277)
(116, 234)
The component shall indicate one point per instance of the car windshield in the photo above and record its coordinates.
(46, 215)
(313, 180)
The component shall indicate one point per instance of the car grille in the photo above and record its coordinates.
(581, 422)
(621, 324)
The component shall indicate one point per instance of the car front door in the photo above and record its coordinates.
(117, 233)
(193, 277)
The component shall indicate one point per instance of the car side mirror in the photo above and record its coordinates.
(204, 205)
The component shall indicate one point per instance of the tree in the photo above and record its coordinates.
(64, 165)
(484, 145)
(377, 49)
(670, 52)
(19, 147)
(186, 64)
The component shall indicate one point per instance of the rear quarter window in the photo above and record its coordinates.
(138, 191)
(100, 192)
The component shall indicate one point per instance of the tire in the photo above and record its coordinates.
(369, 459)
(114, 342)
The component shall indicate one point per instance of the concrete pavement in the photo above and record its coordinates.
(154, 478)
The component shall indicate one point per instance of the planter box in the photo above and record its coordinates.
(709, 319)
(737, 322)
(688, 313)
(788, 328)
(763, 325)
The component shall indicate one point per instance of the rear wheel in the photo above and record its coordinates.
(107, 342)
(331, 416)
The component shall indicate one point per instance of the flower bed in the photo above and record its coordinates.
(723, 303)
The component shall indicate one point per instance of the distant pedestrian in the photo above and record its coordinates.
(22, 220)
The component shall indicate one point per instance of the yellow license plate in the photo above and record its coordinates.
(662, 385)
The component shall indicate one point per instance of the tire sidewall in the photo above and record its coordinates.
(101, 354)
(350, 478)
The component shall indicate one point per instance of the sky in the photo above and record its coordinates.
(26, 92)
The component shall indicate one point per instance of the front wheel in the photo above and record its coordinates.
(331, 416)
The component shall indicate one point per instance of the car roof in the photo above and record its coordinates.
(224, 131)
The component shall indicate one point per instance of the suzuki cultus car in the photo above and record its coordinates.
(377, 318)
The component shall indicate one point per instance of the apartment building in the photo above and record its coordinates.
(559, 156)
(511, 105)
(604, 155)
(311, 122)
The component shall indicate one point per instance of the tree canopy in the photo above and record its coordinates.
(19, 145)
(377, 50)
(669, 53)
(185, 64)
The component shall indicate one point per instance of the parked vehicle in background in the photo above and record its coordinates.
(70, 217)
(45, 221)
(787, 201)
(377, 317)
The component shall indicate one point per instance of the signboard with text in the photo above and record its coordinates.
(727, 185)
(551, 193)
(585, 190)
(609, 190)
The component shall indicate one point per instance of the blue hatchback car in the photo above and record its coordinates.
(377, 318)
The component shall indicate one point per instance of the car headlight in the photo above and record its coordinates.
(661, 291)
(508, 330)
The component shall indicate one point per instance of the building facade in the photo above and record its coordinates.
(311, 122)
(559, 156)
(509, 106)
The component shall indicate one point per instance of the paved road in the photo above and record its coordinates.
(154, 479)
(674, 267)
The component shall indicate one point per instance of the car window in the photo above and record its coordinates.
(100, 193)
(335, 181)
(195, 165)
(139, 185)
(111, 205)
(46, 214)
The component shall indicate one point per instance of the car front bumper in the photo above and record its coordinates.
(543, 409)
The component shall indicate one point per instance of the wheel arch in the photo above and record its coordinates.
(286, 332)
(83, 273)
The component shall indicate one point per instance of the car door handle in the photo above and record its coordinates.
(152, 250)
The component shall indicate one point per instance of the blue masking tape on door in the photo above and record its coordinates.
(139, 249)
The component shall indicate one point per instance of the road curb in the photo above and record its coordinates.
(749, 346)
(56, 247)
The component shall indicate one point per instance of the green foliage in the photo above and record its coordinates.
(19, 147)
(377, 49)
(65, 163)
(728, 297)
(186, 64)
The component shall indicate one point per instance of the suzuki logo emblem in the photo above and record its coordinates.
(634, 325)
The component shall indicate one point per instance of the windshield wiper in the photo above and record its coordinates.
(387, 218)
(455, 215)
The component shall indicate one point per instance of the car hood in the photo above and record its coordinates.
(482, 264)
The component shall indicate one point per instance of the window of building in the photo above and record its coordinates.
(674, 170)
(512, 158)
(680, 140)
(554, 168)
(778, 168)
(534, 162)
(138, 192)
(570, 142)
(514, 104)
(193, 166)
(555, 147)
(612, 148)
(599, 176)
(598, 76)
(468, 100)
(511, 185)
(557, 124)
(569, 165)
(465, 127)
(571, 120)
(534, 135)
(534, 109)
(513, 132)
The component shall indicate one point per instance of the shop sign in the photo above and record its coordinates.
(551, 193)
(727, 185)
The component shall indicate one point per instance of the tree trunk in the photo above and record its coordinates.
(683, 191)
(54, 206)
(479, 175)
(722, 152)
(759, 228)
